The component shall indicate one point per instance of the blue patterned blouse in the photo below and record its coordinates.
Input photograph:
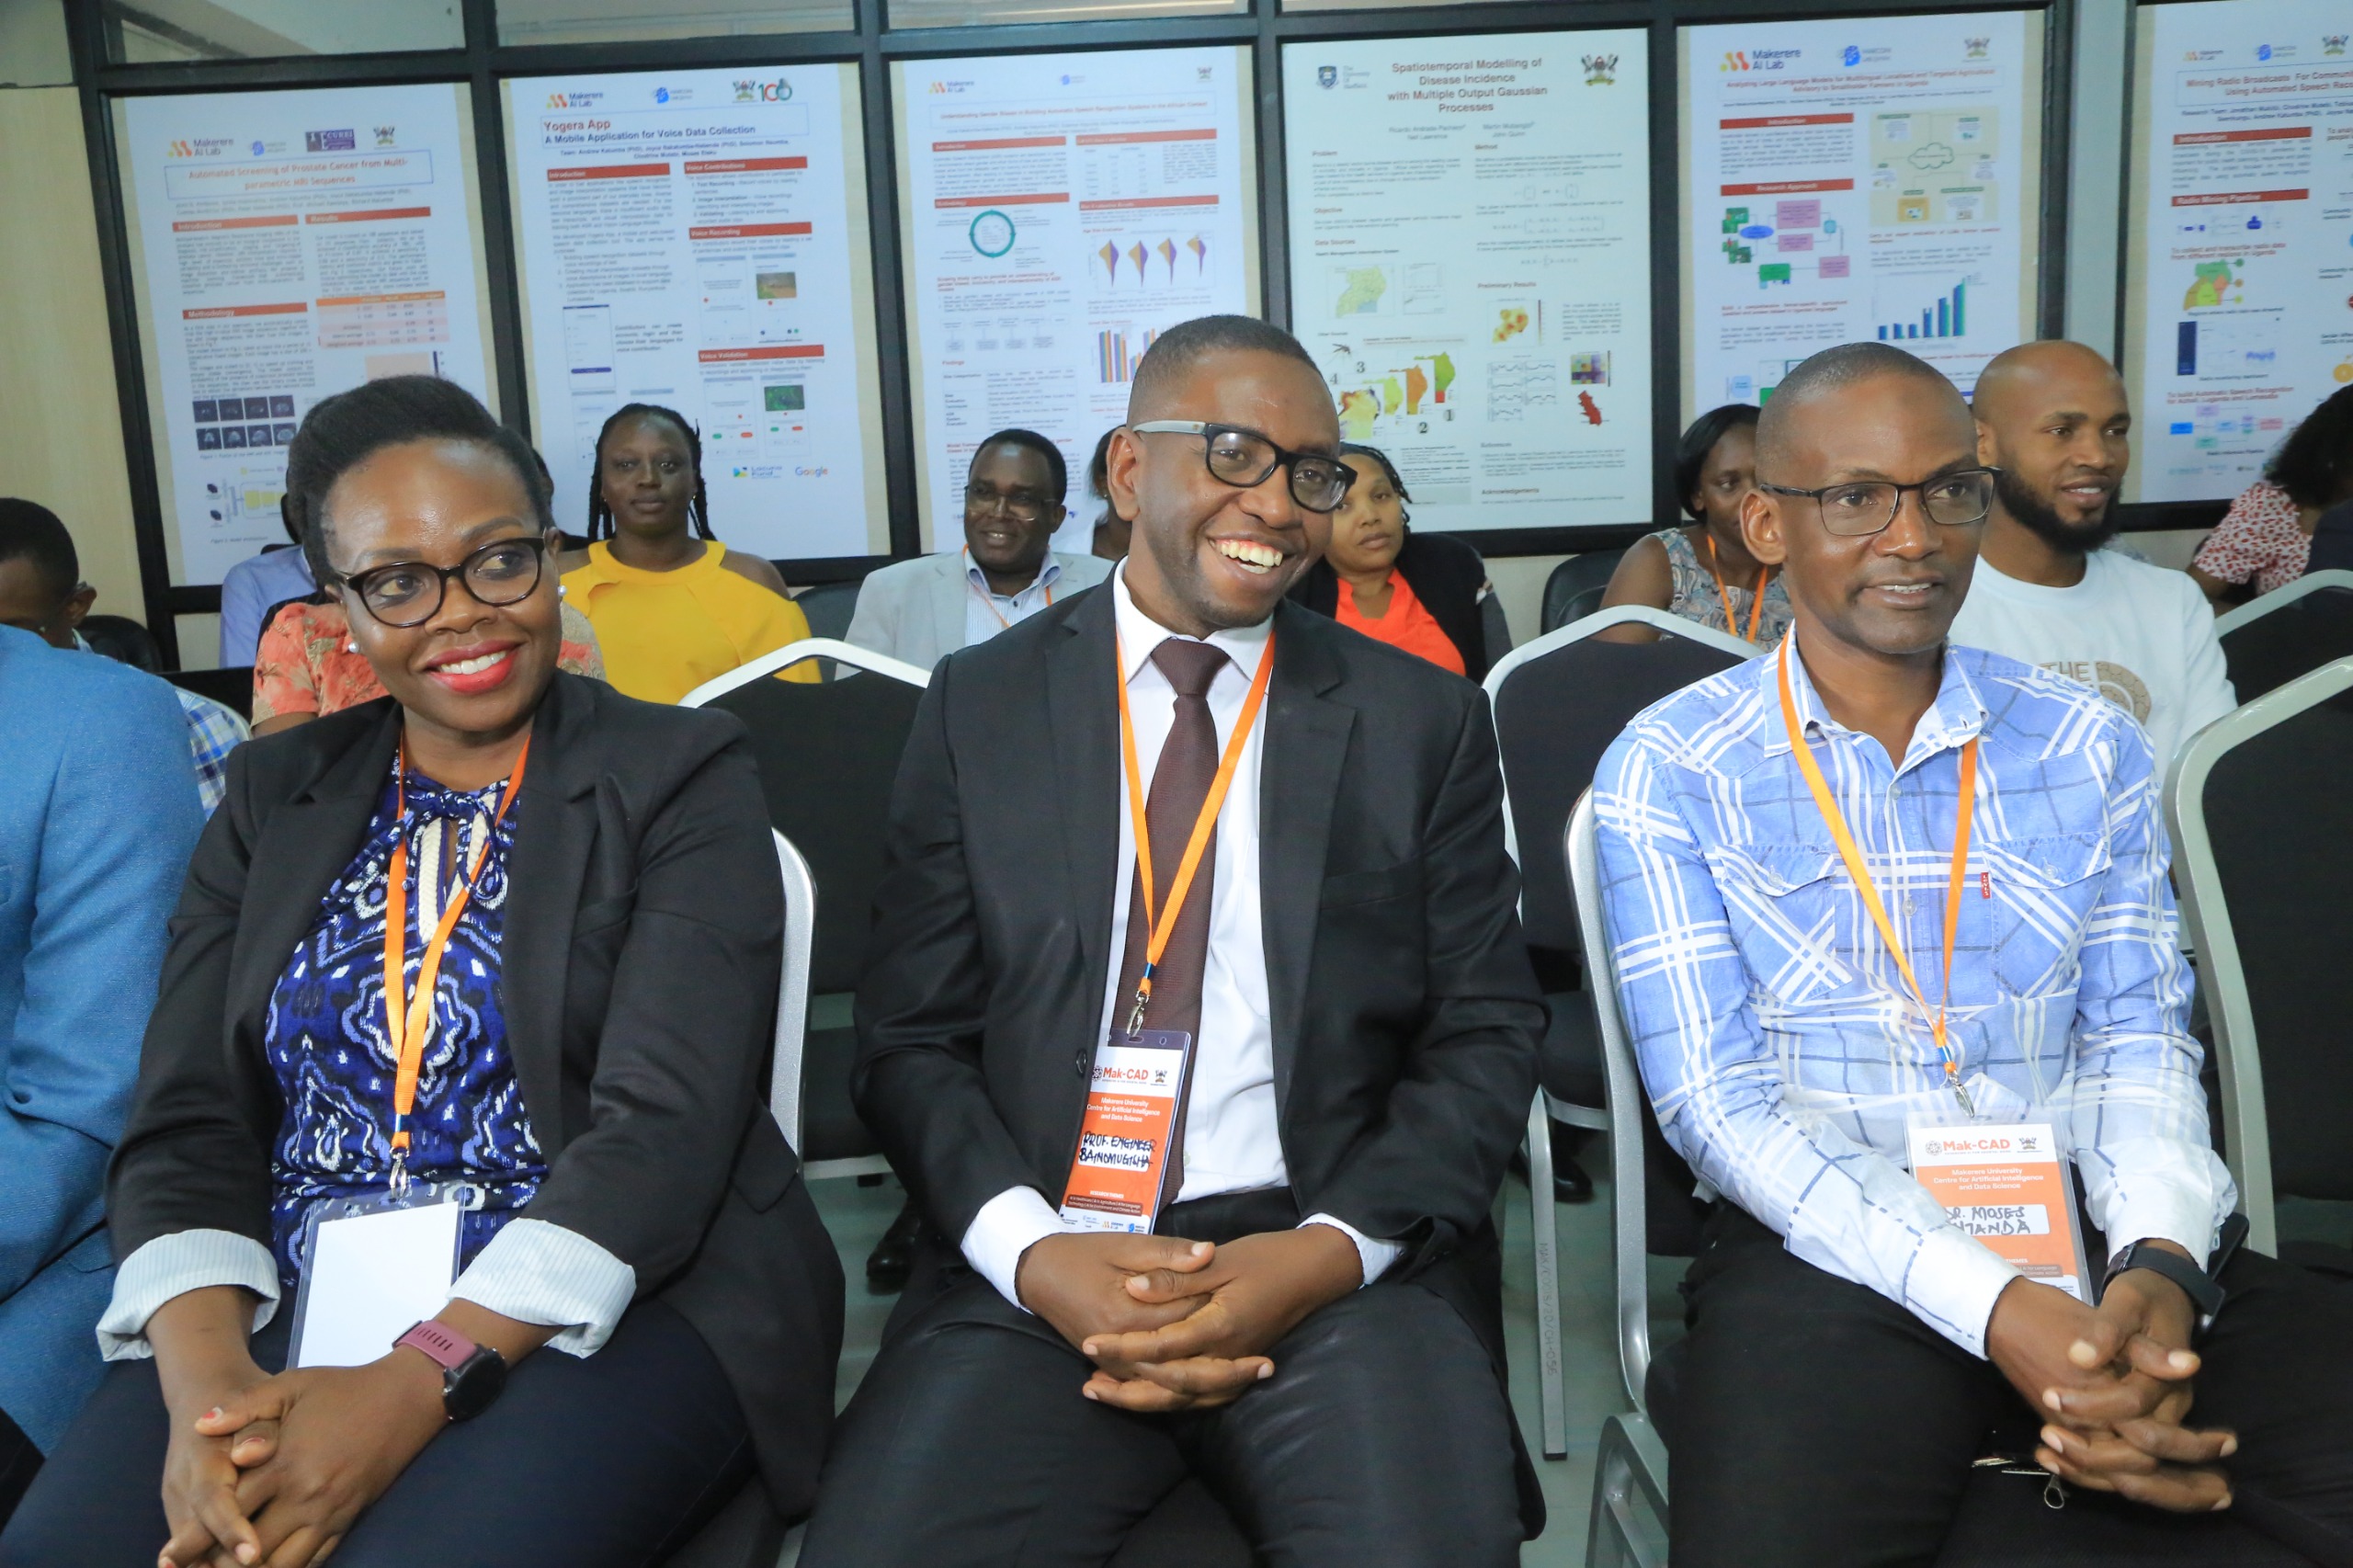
(326, 1042)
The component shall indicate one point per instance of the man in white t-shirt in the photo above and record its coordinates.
(2053, 419)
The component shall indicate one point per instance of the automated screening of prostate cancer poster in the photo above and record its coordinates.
(1469, 264)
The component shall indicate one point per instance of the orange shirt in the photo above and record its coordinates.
(1407, 625)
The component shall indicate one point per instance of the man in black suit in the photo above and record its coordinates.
(1311, 1325)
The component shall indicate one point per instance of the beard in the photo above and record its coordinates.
(2039, 518)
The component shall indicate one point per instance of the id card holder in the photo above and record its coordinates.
(2008, 1184)
(1133, 1095)
(372, 1268)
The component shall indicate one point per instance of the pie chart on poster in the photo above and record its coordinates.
(991, 233)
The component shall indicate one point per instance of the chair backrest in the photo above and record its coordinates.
(1559, 701)
(828, 755)
(2288, 632)
(2262, 826)
(231, 687)
(828, 607)
(792, 989)
(1577, 576)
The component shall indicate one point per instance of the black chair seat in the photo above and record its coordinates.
(1189, 1530)
(830, 1129)
(1569, 1061)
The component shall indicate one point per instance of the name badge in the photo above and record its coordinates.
(2008, 1185)
(1117, 1178)
(372, 1267)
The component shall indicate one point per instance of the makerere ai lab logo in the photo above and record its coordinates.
(574, 99)
(1760, 59)
(1600, 70)
(752, 92)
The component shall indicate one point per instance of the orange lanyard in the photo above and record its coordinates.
(408, 1019)
(1163, 925)
(1755, 604)
(989, 600)
(1861, 874)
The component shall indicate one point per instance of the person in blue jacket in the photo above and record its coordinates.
(98, 815)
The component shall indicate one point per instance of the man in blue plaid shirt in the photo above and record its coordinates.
(1852, 1350)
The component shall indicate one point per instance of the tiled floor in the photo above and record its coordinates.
(856, 1216)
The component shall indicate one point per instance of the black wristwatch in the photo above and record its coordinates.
(2204, 1293)
(473, 1376)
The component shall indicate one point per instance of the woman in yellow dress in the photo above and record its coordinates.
(673, 607)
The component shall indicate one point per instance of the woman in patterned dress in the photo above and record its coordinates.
(2267, 536)
(1702, 570)
(580, 893)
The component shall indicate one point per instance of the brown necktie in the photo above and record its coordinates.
(1181, 783)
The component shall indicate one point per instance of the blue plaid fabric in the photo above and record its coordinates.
(213, 732)
(1776, 1037)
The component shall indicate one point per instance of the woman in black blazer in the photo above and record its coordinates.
(1416, 592)
(588, 1074)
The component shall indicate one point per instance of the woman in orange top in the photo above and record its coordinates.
(1420, 593)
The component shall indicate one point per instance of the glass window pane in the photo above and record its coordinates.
(604, 21)
(33, 53)
(999, 13)
(1365, 4)
(155, 30)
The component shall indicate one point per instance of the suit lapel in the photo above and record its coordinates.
(1299, 779)
(947, 591)
(1082, 706)
(556, 830)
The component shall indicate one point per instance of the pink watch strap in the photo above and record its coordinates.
(444, 1344)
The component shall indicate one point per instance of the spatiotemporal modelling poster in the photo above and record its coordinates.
(291, 246)
(2241, 281)
(689, 240)
(1867, 178)
(1469, 263)
(1060, 212)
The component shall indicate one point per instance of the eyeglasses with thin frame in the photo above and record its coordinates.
(1244, 459)
(409, 593)
(1862, 507)
(1022, 507)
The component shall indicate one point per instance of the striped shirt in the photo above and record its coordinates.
(1776, 1035)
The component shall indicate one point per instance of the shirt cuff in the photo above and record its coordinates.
(1008, 1225)
(536, 1272)
(1952, 1284)
(173, 1266)
(1376, 1255)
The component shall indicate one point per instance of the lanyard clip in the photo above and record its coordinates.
(1953, 1081)
(400, 1178)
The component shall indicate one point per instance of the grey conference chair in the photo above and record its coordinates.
(828, 754)
(2262, 827)
(2288, 632)
(1559, 701)
(829, 607)
(1573, 589)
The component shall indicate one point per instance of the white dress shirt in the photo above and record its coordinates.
(1231, 1140)
(988, 612)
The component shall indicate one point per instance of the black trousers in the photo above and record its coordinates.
(615, 1459)
(1383, 1438)
(1816, 1424)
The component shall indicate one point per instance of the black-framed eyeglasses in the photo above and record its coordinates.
(1244, 459)
(409, 593)
(1863, 507)
(1022, 507)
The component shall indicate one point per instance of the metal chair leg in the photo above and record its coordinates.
(1627, 1528)
(1553, 1398)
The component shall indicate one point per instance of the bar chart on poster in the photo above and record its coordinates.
(1866, 178)
(2240, 285)
(1469, 264)
(689, 241)
(1059, 211)
(293, 245)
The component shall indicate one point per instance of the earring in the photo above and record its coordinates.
(562, 592)
(351, 647)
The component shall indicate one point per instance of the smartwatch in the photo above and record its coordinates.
(473, 1376)
(2205, 1295)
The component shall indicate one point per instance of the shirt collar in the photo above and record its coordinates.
(1139, 635)
(1957, 715)
(1050, 571)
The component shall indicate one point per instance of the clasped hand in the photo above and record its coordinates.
(1172, 1324)
(2113, 1385)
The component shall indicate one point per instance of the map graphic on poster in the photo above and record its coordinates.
(2241, 283)
(689, 241)
(1061, 211)
(1864, 178)
(292, 245)
(1469, 264)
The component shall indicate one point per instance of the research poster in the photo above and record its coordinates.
(2241, 286)
(690, 239)
(1060, 212)
(1470, 263)
(291, 246)
(1864, 178)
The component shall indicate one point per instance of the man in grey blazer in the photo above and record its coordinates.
(920, 612)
